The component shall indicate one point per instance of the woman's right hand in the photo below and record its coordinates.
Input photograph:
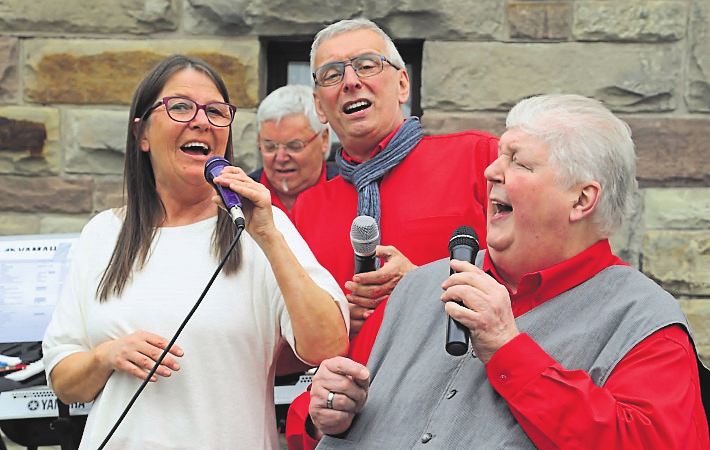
(81, 376)
(256, 202)
(136, 354)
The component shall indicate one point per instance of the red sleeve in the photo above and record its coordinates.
(651, 400)
(361, 345)
(296, 436)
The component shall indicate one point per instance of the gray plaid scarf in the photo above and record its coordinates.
(365, 176)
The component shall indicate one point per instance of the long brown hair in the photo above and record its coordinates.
(144, 211)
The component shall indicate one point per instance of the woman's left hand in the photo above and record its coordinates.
(255, 197)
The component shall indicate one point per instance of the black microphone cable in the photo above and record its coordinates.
(240, 228)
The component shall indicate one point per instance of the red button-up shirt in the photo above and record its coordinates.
(650, 401)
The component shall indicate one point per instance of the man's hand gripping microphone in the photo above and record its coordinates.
(231, 201)
(463, 246)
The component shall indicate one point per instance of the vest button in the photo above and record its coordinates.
(426, 438)
(451, 393)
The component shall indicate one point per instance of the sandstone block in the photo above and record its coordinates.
(9, 65)
(445, 19)
(678, 260)
(17, 224)
(641, 21)
(672, 151)
(698, 84)
(46, 195)
(539, 21)
(62, 224)
(91, 72)
(96, 141)
(90, 16)
(246, 154)
(29, 141)
(108, 193)
(437, 122)
(492, 76)
(679, 208)
(627, 242)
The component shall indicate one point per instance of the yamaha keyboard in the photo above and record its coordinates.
(284, 394)
(35, 402)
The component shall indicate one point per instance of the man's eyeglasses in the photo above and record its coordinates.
(295, 146)
(182, 109)
(366, 65)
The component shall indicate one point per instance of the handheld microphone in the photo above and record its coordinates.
(463, 246)
(231, 201)
(364, 236)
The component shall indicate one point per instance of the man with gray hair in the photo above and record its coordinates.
(417, 188)
(293, 144)
(570, 346)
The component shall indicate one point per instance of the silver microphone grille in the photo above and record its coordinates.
(364, 235)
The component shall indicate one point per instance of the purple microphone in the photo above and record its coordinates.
(231, 201)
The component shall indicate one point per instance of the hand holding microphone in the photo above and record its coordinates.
(372, 283)
(231, 201)
(364, 236)
(463, 246)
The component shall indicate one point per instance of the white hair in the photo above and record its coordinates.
(344, 26)
(587, 142)
(288, 100)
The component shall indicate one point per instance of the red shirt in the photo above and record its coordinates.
(629, 412)
(438, 187)
(275, 199)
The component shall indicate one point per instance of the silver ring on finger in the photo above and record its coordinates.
(329, 400)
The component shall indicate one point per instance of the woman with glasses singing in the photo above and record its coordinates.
(139, 270)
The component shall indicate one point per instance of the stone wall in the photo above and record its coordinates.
(68, 69)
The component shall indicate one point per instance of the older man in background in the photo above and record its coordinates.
(417, 188)
(293, 144)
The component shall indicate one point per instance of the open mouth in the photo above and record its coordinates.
(500, 208)
(196, 148)
(356, 106)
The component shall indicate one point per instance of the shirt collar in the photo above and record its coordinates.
(377, 149)
(537, 287)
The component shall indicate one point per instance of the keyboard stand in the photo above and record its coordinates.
(33, 433)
